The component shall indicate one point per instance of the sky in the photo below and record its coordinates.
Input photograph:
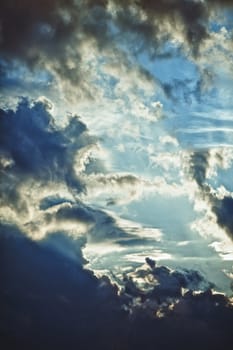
(116, 163)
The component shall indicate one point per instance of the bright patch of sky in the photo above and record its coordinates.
(196, 118)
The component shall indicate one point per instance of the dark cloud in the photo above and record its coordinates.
(51, 34)
(41, 27)
(191, 15)
(54, 30)
(199, 165)
(36, 157)
(49, 300)
(221, 207)
(32, 147)
(71, 213)
(220, 2)
(56, 35)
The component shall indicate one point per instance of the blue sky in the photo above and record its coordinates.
(116, 142)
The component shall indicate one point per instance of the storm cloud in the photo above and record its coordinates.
(49, 300)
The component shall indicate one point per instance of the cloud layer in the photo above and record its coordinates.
(56, 34)
(116, 226)
(53, 302)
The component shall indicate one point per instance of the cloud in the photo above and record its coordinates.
(55, 302)
(221, 3)
(150, 20)
(223, 208)
(47, 26)
(123, 188)
(49, 174)
(204, 164)
(33, 148)
(53, 183)
(54, 36)
(70, 46)
(41, 166)
(112, 188)
(161, 283)
(53, 33)
(73, 47)
(32, 128)
(199, 165)
(56, 284)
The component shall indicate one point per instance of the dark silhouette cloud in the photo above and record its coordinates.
(49, 300)
(32, 147)
(41, 28)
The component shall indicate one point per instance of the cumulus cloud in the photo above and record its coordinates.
(48, 177)
(54, 302)
(46, 26)
(53, 184)
(45, 178)
(54, 282)
(75, 47)
(204, 164)
(161, 282)
(56, 34)
(34, 149)
(223, 208)
(40, 168)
